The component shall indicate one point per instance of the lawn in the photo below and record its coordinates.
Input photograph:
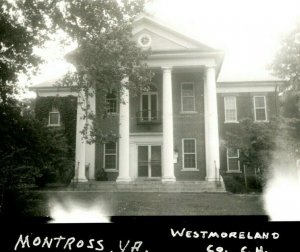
(149, 203)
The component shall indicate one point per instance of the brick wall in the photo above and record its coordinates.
(245, 109)
(189, 125)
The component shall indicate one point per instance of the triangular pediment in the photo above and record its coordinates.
(149, 33)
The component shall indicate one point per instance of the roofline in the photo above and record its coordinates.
(196, 53)
(169, 29)
(269, 82)
(50, 87)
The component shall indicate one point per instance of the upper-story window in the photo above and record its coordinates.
(260, 108)
(230, 108)
(111, 102)
(233, 160)
(187, 97)
(54, 117)
(148, 107)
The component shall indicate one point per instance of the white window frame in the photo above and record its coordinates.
(265, 108)
(54, 111)
(183, 152)
(226, 119)
(106, 100)
(149, 101)
(236, 157)
(104, 155)
(193, 96)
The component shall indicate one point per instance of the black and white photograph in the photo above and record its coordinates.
(149, 113)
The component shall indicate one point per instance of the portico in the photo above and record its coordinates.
(129, 142)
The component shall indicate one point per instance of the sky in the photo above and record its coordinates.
(248, 32)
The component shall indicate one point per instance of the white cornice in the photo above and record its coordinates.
(248, 86)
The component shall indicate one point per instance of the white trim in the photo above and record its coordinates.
(235, 157)
(188, 113)
(246, 87)
(116, 155)
(265, 108)
(183, 152)
(189, 169)
(137, 139)
(140, 40)
(193, 96)
(55, 124)
(179, 60)
(53, 91)
(235, 108)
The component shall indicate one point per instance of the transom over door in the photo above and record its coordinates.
(149, 161)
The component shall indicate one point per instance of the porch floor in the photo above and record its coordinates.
(148, 186)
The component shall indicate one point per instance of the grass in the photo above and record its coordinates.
(151, 203)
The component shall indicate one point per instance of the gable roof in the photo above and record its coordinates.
(146, 23)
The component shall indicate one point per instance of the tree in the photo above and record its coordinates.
(106, 59)
(22, 27)
(286, 65)
(256, 144)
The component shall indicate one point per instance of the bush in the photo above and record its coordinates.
(30, 154)
(256, 144)
(100, 175)
(235, 183)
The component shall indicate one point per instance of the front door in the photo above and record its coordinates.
(149, 161)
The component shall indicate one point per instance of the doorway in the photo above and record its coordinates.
(149, 161)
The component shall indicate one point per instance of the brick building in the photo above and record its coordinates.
(171, 133)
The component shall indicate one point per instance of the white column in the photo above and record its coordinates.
(168, 145)
(90, 148)
(80, 143)
(124, 175)
(211, 126)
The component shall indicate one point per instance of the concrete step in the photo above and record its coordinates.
(149, 186)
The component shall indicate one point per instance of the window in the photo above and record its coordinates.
(54, 117)
(230, 109)
(187, 97)
(110, 156)
(260, 112)
(233, 160)
(149, 107)
(189, 153)
(111, 102)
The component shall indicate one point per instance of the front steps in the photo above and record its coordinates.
(149, 186)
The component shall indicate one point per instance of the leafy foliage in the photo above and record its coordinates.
(255, 142)
(30, 153)
(107, 59)
(67, 106)
(286, 64)
(22, 27)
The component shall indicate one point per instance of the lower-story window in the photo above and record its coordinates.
(110, 156)
(189, 153)
(233, 160)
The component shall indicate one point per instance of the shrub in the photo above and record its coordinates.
(234, 183)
